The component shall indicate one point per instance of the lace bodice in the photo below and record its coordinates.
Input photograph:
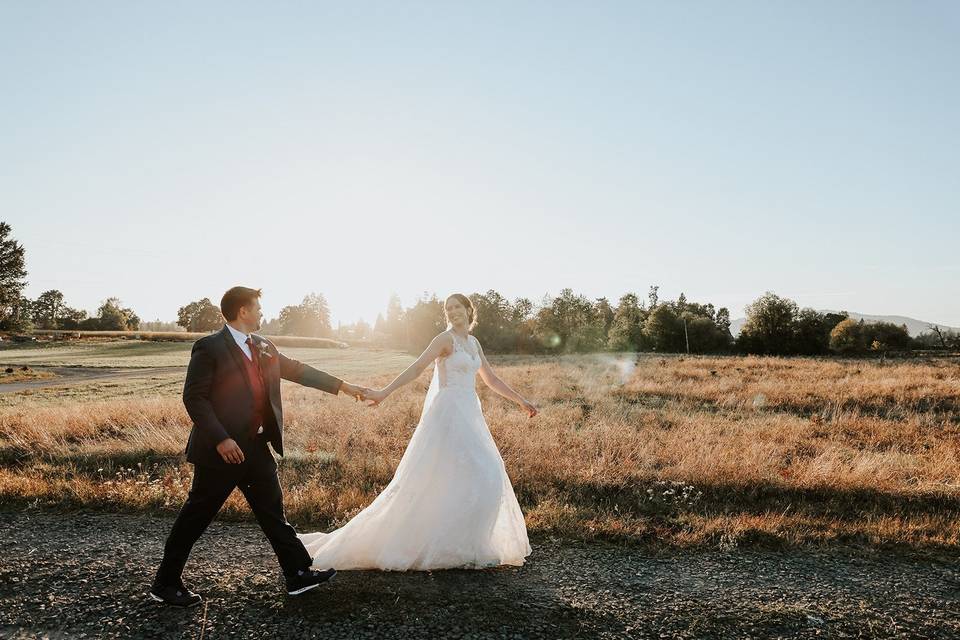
(460, 368)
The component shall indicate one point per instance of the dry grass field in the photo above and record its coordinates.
(718, 451)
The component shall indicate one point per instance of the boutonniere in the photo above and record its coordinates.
(264, 350)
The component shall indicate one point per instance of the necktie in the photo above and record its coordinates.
(255, 361)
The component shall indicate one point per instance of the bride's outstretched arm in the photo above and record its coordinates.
(500, 387)
(441, 345)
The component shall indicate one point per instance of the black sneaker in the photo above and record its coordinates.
(175, 596)
(308, 579)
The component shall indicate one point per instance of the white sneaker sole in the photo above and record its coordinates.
(157, 598)
(312, 586)
(304, 590)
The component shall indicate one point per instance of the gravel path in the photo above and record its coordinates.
(85, 575)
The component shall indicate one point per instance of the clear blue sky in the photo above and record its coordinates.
(164, 151)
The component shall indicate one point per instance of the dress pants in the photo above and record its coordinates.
(257, 478)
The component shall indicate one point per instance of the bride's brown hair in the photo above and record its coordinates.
(467, 304)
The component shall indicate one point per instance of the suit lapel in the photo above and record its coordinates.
(264, 364)
(273, 391)
(234, 350)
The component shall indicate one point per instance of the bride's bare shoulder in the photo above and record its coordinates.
(445, 340)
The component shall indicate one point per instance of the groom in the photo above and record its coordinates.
(232, 394)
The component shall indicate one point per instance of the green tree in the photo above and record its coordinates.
(626, 330)
(663, 329)
(504, 326)
(681, 304)
(311, 318)
(604, 314)
(769, 328)
(894, 336)
(423, 321)
(831, 319)
(112, 316)
(848, 337)
(851, 337)
(811, 334)
(48, 309)
(569, 323)
(199, 316)
(89, 324)
(186, 313)
(936, 337)
(495, 328)
(524, 328)
(71, 318)
(704, 334)
(522, 310)
(14, 312)
(523, 320)
(723, 320)
(887, 336)
(653, 297)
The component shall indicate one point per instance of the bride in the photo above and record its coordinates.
(450, 503)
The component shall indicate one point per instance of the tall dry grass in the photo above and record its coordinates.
(688, 451)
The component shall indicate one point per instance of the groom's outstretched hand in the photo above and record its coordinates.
(358, 393)
(230, 451)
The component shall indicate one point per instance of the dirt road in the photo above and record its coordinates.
(66, 376)
(76, 575)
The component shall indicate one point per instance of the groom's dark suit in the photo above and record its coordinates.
(220, 394)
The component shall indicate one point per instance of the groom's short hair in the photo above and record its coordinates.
(237, 297)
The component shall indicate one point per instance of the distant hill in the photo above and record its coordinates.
(914, 327)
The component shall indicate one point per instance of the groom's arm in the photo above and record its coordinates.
(196, 394)
(296, 371)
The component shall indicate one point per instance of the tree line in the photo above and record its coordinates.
(777, 326)
(566, 323)
(572, 323)
(310, 318)
(49, 310)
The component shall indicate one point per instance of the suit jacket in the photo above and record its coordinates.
(219, 399)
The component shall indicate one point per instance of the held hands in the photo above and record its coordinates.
(529, 407)
(359, 393)
(375, 397)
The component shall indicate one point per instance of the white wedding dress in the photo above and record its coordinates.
(450, 503)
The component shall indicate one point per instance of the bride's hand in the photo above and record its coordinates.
(529, 407)
(375, 397)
